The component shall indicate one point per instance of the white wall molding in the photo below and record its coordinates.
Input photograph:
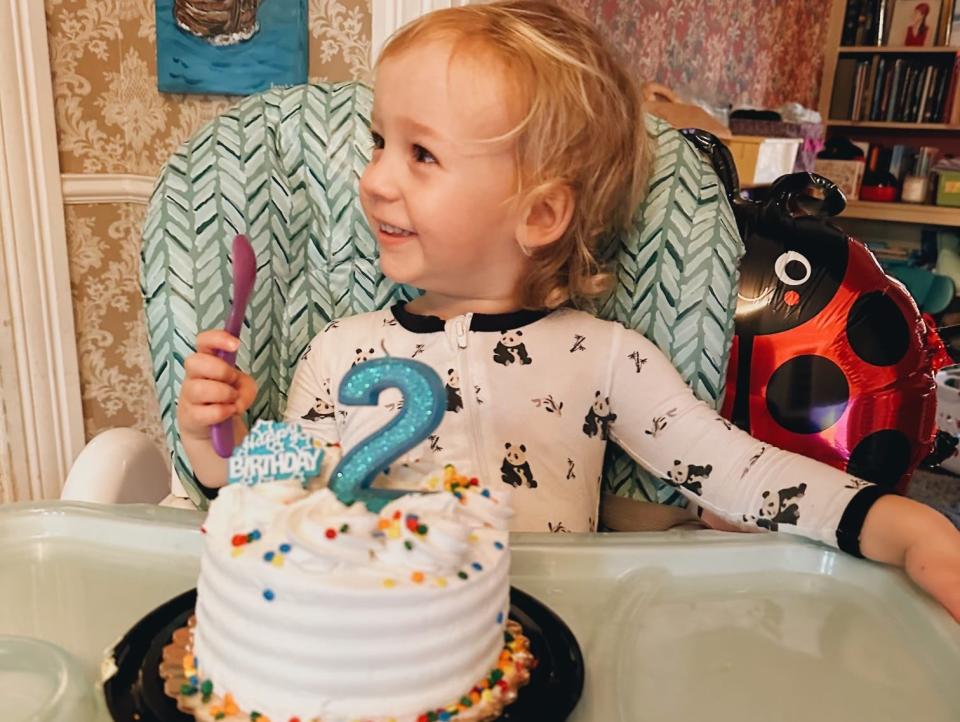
(84, 188)
(41, 381)
(390, 15)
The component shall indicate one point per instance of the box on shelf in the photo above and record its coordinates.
(948, 188)
(811, 133)
(761, 160)
(847, 174)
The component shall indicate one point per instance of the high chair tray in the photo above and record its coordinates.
(136, 691)
(673, 626)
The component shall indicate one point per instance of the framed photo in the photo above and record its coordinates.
(230, 47)
(914, 23)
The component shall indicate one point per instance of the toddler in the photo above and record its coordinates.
(508, 147)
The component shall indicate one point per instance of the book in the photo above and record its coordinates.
(903, 92)
(894, 89)
(878, 89)
(901, 160)
(858, 89)
(868, 91)
(843, 89)
(912, 101)
(944, 95)
(924, 94)
(862, 20)
(850, 18)
(935, 102)
(951, 113)
(887, 87)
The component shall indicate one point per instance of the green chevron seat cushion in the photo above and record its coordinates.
(283, 167)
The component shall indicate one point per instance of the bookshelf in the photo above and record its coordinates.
(891, 95)
(893, 125)
(903, 213)
(893, 49)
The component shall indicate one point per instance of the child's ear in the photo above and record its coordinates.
(547, 217)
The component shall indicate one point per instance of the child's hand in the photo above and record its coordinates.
(213, 390)
(934, 564)
(923, 541)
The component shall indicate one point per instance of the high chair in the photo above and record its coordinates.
(283, 167)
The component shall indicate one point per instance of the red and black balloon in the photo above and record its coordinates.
(831, 358)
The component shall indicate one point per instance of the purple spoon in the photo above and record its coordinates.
(244, 274)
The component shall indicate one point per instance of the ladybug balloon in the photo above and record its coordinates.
(831, 357)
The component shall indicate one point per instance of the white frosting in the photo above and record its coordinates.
(369, 615)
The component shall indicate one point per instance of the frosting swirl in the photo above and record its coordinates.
(422, 532)
(244, 507)
(478, 505)
(328, 531)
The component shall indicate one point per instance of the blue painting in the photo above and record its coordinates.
(230, 47)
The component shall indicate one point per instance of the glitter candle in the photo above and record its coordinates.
(424, 403)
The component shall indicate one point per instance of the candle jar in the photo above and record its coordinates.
(915, 189)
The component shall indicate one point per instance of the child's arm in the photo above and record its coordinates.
(911, 535)
(749, 483)
(212, 391)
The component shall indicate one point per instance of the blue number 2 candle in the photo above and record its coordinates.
(424, 403)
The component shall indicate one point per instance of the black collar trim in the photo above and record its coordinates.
(497, 322)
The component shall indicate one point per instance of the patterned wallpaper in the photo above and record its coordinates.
(740, 52)
(111, 119)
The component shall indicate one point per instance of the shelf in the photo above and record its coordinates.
(903, 212)
(892, 126)
(897, 49)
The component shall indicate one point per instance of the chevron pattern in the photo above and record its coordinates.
(677, 279)
(283, 167)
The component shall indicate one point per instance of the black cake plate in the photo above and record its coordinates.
(135, 692)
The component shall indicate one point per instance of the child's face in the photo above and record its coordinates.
(439, 203)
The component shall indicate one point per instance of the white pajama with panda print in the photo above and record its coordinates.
(534, 397)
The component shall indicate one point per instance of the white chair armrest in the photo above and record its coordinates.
(119, 466)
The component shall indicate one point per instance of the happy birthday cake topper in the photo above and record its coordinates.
(275, 451)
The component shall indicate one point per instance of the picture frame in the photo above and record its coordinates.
(914, 23)
(230, 47)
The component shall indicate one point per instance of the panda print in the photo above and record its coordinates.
(511, 349)
(779, 508)
(362, 355)
(599, 418)
(452, 387)
(515, 469)
(688, 476)
(322, 409)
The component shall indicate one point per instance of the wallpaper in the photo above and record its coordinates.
(739, 52)
(111, 119)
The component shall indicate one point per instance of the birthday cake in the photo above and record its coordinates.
(309, 609)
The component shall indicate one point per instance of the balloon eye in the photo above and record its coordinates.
(792, 268)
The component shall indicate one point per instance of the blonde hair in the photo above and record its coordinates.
(582, 126)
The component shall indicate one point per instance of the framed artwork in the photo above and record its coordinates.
(230, 47)
(914, 23)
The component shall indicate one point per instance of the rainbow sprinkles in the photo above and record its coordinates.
(313, 610)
